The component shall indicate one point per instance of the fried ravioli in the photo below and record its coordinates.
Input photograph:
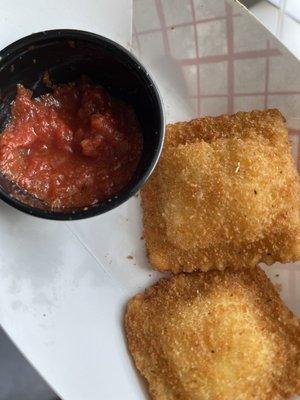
(220, 335)
(226, 193)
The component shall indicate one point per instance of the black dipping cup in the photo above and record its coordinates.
(66, 55)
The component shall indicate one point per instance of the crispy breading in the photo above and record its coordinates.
(219, 335)
(225, 193)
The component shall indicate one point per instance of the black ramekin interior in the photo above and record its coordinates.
(67, 55)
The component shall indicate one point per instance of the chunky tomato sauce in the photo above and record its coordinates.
(73, 147)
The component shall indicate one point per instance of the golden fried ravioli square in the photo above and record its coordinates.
(219, 335)
(225, 193)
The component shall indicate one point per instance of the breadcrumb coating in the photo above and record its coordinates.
(220, 335)
(225, 193)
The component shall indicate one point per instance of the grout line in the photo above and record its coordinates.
(295, 132)
(251, 54)
(138, 42)
(184, 24)
(161, 16)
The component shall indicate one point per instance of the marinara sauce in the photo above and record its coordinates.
(73, 147)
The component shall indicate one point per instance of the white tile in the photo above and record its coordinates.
(182, 42)
(248, 103)
(212, 38)
(151, 45)
(293, 8)
(171, 11)
(249, 75)
(276, 2)
(267, 14)
(290, 35)
(289, 105)
(217, 85)
(194, 107)
(190, 78)
(209, 9)
(284, 74)
(294, 122)
(213, 106)
(243, 40)
(145, 16)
